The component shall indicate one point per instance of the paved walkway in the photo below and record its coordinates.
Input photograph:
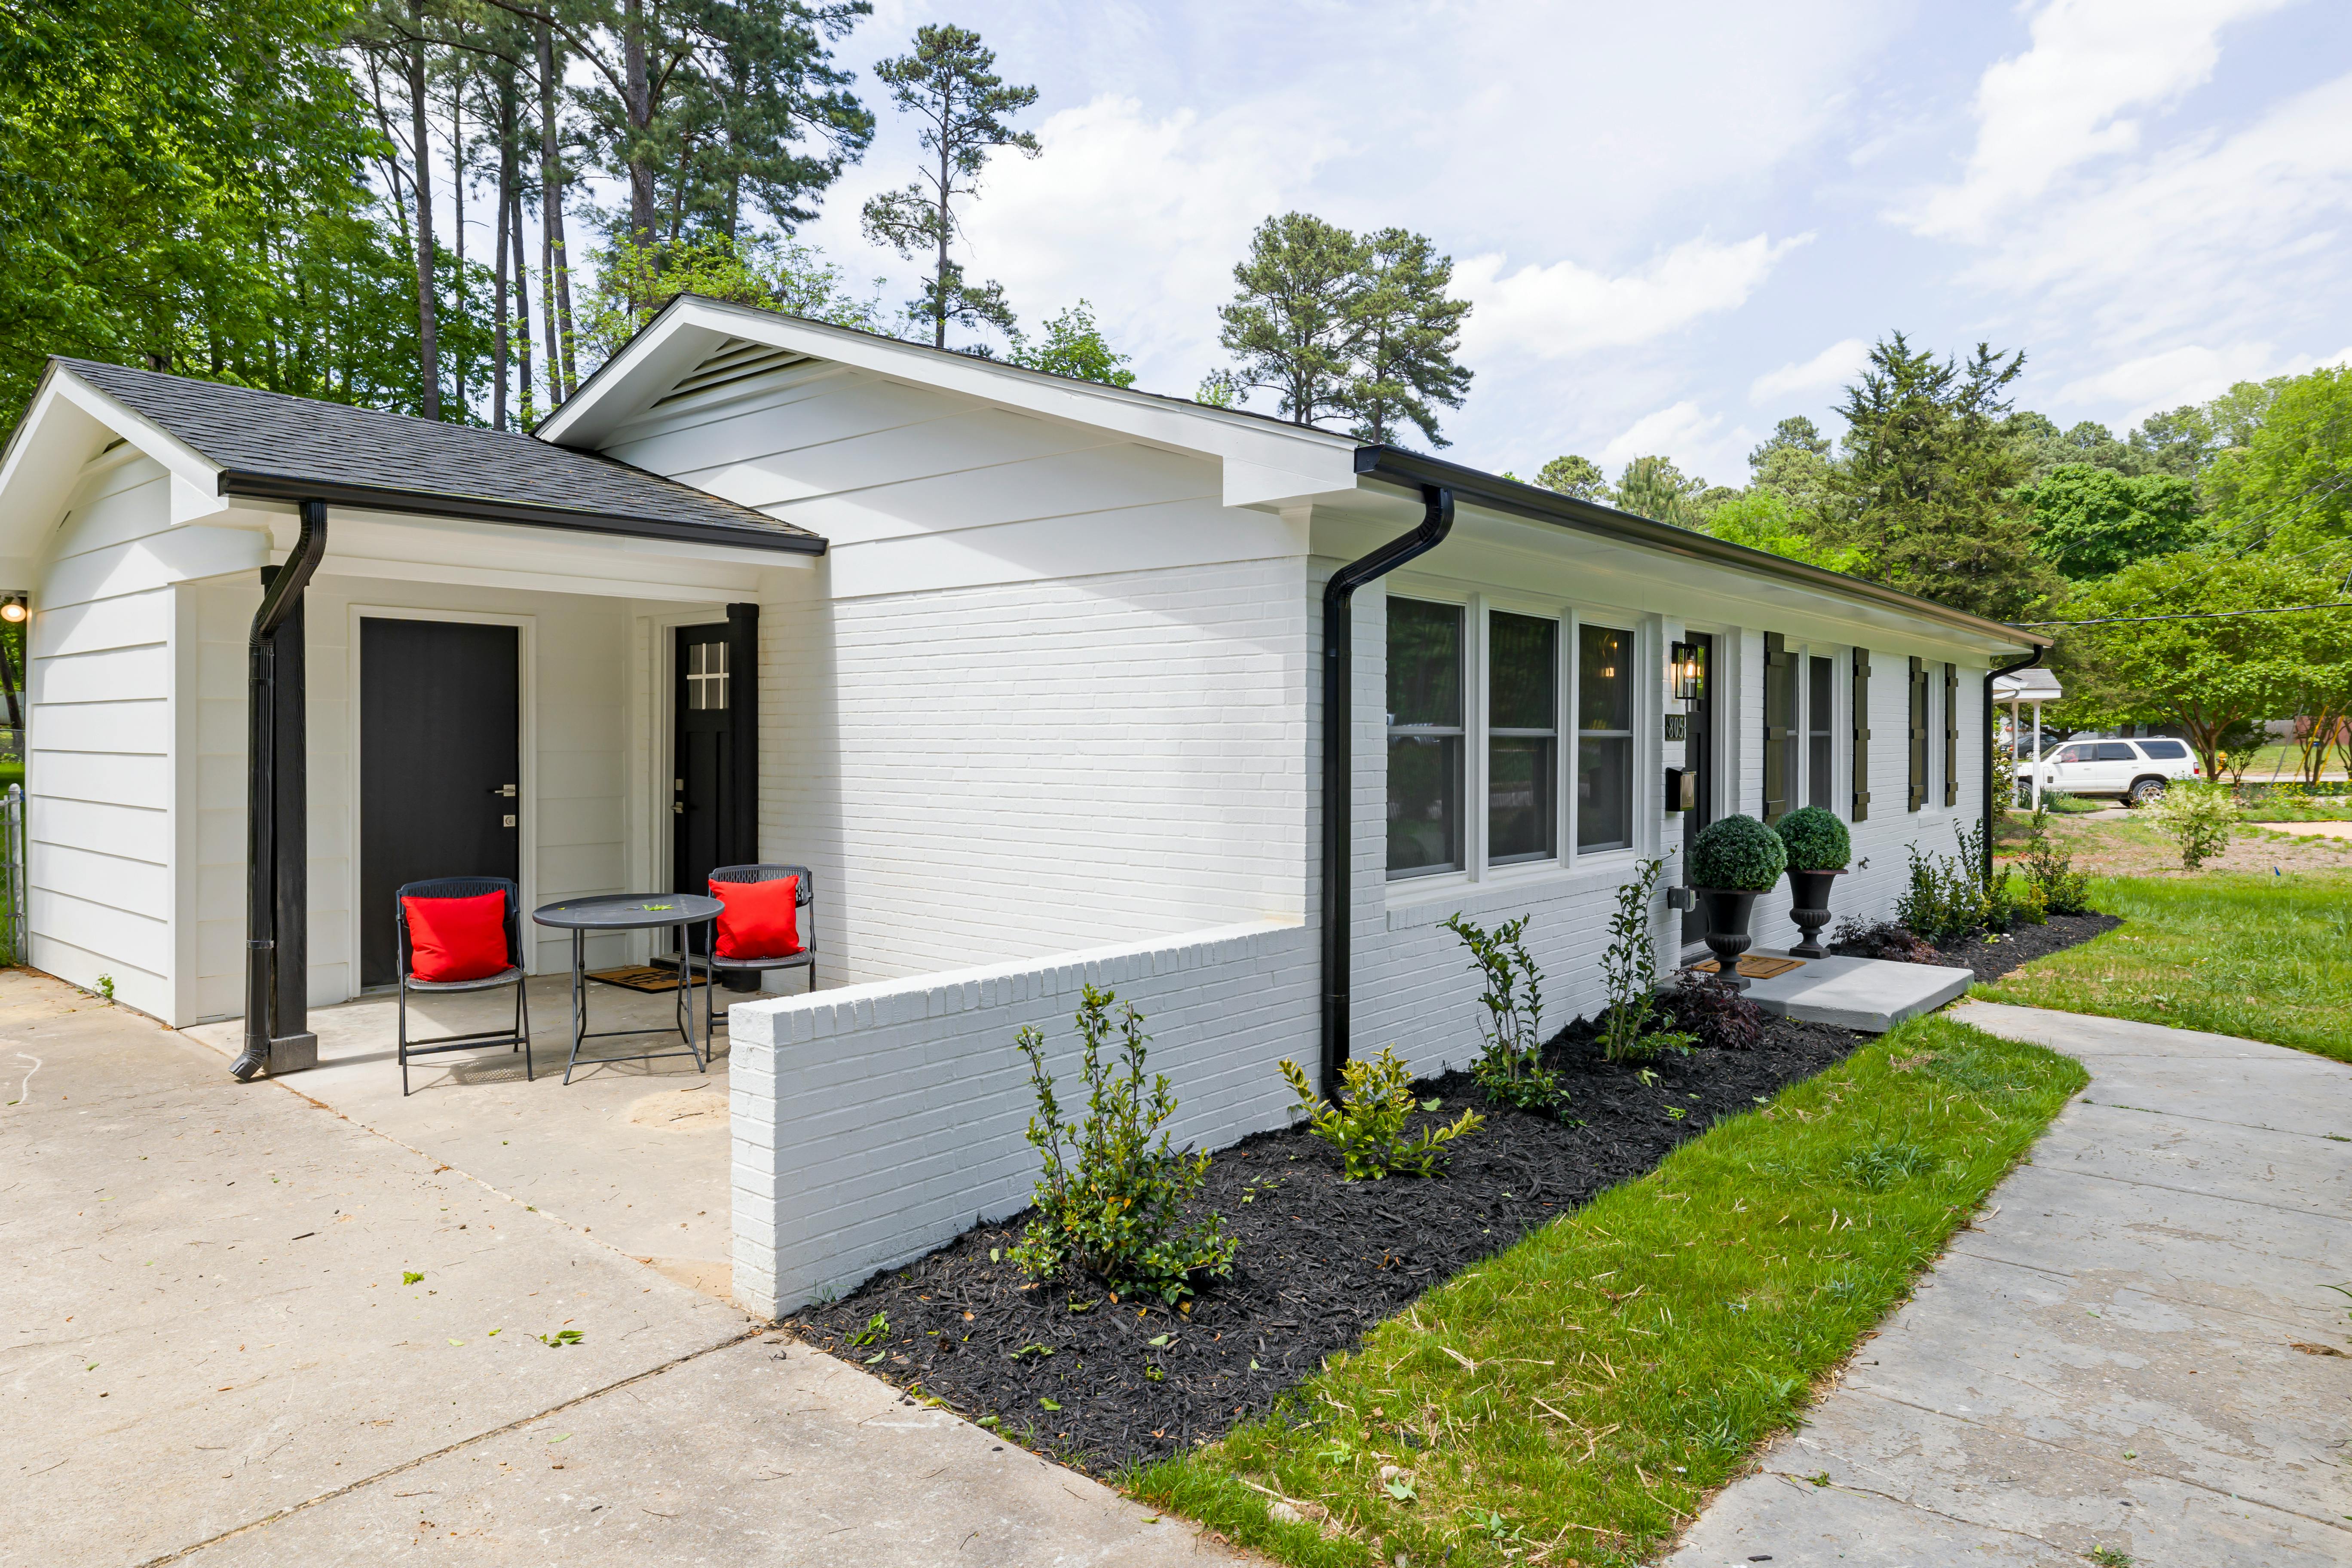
(2108, 1360)
(210, 1349)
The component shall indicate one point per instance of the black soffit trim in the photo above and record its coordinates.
(1531, 501)
(430, 503)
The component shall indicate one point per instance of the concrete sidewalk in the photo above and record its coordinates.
(209, 1348)
(2108, 1359)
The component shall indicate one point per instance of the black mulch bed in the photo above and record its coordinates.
(1991, 959)
(1321, 1261)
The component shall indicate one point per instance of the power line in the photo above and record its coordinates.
(2193, 615)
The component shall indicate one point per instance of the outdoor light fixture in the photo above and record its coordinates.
(1689, 673)
(13, 610)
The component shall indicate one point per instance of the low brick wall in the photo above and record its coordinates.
(874, 1122)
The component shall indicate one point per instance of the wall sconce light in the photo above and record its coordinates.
(13, 610)
(1690, 671)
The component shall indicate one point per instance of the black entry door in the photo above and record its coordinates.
(702, 803)
(440, 711)
(1698, 757)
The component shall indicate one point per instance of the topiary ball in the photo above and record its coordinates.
(1816, 840)
(1737, 854)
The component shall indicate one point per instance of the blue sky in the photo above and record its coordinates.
(1679, 223)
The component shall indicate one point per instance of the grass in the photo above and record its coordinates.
(11, 773)
(2264, 957)
(2297, 808)
(1574, 1399)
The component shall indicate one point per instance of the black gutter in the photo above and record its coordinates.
(386, 498)
(2028, 662)
(1540, 505)
(281, 598)
(1338, 758)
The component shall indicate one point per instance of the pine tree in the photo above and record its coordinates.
(947, 82)
(1407, 333)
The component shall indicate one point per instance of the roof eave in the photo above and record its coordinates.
(1540, 505)
(257, 486)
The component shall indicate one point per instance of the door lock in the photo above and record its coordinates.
(509, 821)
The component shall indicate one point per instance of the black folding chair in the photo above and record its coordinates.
(518, 1036)
(804, 904)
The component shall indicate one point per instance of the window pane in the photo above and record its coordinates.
(1522, 807)
(1424, 663)
(1525, 655)
(1817, 726)
(1424, 803)
(2116, 751)
(2164, 751)
(1604, 696)
(1605, 804)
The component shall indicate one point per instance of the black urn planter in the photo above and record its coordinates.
(1728, 911)
(1810, 909)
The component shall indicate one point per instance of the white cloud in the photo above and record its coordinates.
(2191, 373)
(1830, 368)
(2062, 104)
(1695, 439)
(1551, 312)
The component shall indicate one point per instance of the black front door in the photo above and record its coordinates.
(702, 799)
(1699, 758)
(440, 710)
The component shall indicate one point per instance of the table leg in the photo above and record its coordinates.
(579, 998)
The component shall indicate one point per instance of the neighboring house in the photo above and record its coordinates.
(1022, 667)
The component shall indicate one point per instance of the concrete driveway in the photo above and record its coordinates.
(2136, 1354)
(214, 1348)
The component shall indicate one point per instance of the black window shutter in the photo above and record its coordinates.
(1918, 733)
(1951, 735)
(1861, 734)
(1779, 724)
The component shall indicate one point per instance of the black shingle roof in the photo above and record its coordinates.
(293, 449)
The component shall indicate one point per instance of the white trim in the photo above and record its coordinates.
(526, 755)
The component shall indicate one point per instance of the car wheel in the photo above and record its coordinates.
(2144, 790)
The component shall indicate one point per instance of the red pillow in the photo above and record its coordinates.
(759, 919)
(457, 938)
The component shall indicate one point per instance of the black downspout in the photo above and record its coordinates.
(278, 600)
(1339, 757)
(2028, 662)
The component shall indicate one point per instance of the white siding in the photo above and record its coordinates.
(101, 847)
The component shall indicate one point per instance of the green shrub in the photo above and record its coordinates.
(1510, 1067)
(1945, 899)
(1111, 1200)
(2050, 874)
(1368, 1125)
(2198, 816)
(1816, 840)
(1629, 967)
(1739, 854)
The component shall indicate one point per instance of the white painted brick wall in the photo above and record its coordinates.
(873, 1122)
(1016, 770)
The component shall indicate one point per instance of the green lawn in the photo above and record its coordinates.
(2268, 958)
(1580, 1394)
(11, 773)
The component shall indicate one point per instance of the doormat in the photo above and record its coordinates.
(645, 977)
(1756, 968)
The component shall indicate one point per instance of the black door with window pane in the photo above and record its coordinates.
(702, 803)
(440, 707)
(1699, 758)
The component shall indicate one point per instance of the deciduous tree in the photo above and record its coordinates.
(2094, 522)
(1074, 345)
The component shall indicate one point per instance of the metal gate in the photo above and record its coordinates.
(16, 935)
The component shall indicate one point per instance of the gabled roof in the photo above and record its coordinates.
(269, 446)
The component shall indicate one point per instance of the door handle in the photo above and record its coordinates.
(507, 790)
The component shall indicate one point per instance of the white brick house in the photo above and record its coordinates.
(1030, 672)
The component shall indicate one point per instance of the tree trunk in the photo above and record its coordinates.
(498, 355)
(522, 311)
(939, 287)
(554, 268)
(428, 346)
(638, 105)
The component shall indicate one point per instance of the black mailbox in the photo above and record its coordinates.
(1682, 789)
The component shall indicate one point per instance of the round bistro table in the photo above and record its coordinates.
(633, 911)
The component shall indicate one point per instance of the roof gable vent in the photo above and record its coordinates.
(734, 360)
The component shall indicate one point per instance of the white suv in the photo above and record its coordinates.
(2135, 769)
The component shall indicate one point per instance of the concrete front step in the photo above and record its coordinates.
(1868, 995)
